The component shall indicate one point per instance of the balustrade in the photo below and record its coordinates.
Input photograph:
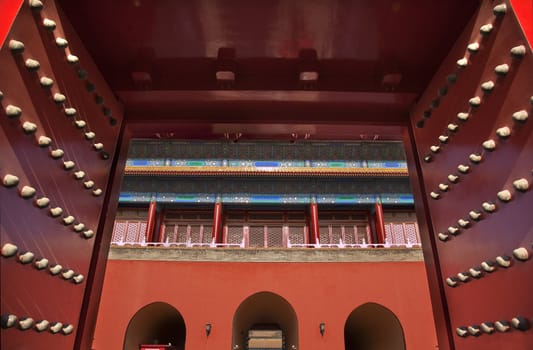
(332, 235)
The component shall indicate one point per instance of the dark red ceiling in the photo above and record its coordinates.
(267, 43)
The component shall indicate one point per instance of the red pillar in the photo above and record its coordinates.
(217, 222)
(160, 226)
(150, 224)
(315, 229)
(380, 224)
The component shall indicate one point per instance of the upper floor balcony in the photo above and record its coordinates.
(263, 229)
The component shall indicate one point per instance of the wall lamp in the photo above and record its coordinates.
(208, 329)
(322, 328)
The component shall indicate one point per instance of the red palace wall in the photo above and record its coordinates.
(211, 292)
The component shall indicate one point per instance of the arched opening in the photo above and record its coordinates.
(373, 327)
(267, 319)
(156, 323)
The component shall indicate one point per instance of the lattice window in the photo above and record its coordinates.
(129, 232)
(132, 232)
(142, 232)
(275, 236)
(388, 232)
(207, 236)
(395, 233)
(171, 233)
(399, 236)
(234, 235)
(257, 236)
(362, 231)
(336, 234)
(324, 235)
(195, 233)
(119, 231)
(182, 233)
(296, 234)
(350, 232)
(411, 232)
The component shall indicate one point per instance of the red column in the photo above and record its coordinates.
(160, 223)
(380, 224)
(315, 229)
(217, 221)
(150, 224)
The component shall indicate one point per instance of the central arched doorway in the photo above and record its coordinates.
(156, 323)
(266, 318)
(373, 327)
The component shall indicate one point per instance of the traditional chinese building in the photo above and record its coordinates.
(266, 175)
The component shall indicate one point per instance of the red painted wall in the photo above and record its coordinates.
(212, 291)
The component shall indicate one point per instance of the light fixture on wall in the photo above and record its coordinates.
(322, 328)
(208, 329)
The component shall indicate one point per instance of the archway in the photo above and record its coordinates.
(373, 327)
(156, 323)
(265, 310)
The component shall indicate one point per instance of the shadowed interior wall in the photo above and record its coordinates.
(265, 308)
(156, 323)
(506, 292)
(373, 327)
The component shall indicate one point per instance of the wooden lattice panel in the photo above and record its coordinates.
(275, 236)
(325, 237)
(257, 236)
(183, 233)
(394, 233)
(119, 231)
(234, 235)
(336, 234)
(350, 234)
(411, 233)
(195, 233)
(296, 234)
(170, 233)
(207, 236)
